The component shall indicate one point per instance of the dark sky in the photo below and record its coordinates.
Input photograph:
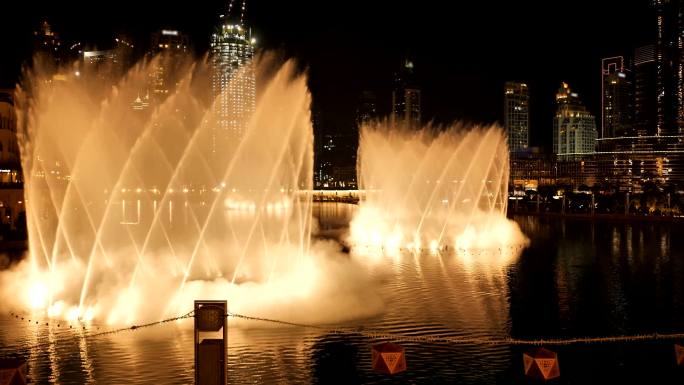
(463, 51)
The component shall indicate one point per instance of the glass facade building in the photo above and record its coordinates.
(406, 97)
(574, 127)
(233, 81)
(616, 98)
(167, 50)
(517, 115)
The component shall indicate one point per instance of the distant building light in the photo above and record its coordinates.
(621, 75)
(169, 32)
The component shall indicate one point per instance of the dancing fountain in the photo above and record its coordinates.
(132, 213)
(135, 207)
(433, 189)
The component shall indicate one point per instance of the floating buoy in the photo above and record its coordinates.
(679, 353)
(388, 358)
(542, 364)
(13, 372)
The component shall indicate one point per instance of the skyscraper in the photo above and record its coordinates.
(110, 64)
(367, 108)
(517, 115)
(233, 78)
(616, 98)
(167, 50)
(669, 58)
(645, 91)
(406, 97)
(574, 127)
(46, 43)
(11, 180)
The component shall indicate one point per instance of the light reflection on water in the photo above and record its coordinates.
(577, 278)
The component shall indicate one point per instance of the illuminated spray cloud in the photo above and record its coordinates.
(431, 189)
(136, 207)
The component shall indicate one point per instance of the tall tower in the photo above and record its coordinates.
(169, 46)
(48, 48)
(574, 127)
(616, 96)
(517, 115)
(669, 59)
(367, 109)
(233, 80)
(645, 91)
(406, 97)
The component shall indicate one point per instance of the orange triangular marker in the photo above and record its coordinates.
(545, 365)
(528, 362)
(391, 359)
(6, 376)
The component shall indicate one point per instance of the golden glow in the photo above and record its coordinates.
(38, 296)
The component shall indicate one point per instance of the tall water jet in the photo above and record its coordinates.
(432, 189)
(128, 201)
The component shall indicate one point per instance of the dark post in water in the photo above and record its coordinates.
(211, 336)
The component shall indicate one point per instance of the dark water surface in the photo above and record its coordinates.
(577, 278)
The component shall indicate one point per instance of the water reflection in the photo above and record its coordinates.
(608, 279)
(602, 278)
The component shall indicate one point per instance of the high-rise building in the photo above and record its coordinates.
(109, 64)
(517, 115)
(233, 78)
(616, 98)
(367, 109)
(11, 179)
(167, 50)
(47, 43)
(54, 56)
(645, 91)
(406, 97)
(669, 58)
(574, 127)
(9, 150)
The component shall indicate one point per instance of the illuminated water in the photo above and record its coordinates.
(577, 278)
(433, 189)
(127, 202)
(131, 217)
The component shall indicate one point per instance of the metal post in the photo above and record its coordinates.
(563, 208)
(669, 201)
(627, 203)
(593, 203)
(211, 341)
(538, 202)
(516, 203)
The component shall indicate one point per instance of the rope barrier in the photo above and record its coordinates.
(381, 335)
(138, 327)
(471, 340)
(86, 336)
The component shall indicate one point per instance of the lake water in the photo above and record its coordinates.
(577, 278)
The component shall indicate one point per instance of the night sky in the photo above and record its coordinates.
(463, 52)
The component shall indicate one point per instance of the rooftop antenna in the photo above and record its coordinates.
(230, 8)
(242, 13)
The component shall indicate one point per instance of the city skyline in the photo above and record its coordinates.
(357, 48)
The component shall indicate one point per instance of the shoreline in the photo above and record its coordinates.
(602, 217)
